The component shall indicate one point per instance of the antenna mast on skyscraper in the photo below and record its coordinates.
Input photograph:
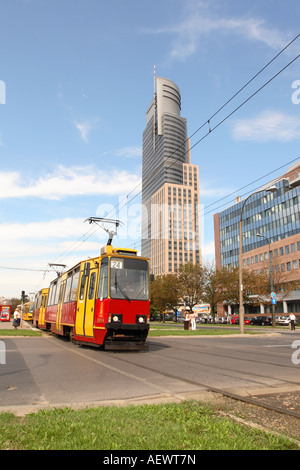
(154, 105)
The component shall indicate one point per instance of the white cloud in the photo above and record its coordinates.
(84, 127)
(208, 250)
(189, 32)
(268, 126)
(64, 182)
(129, 152)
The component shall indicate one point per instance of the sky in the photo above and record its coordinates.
(76, 80)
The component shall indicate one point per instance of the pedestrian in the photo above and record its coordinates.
(17, 318)
(193, 321)
(293, 321)
(187, 321)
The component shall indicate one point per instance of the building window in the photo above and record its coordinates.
(295, 264)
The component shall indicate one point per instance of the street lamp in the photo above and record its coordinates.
(271, 277)
(241, 309)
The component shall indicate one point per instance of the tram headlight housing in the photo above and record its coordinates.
(141, 319)
(115, 318)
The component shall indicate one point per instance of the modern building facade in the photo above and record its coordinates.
(170, 184)
(271, 232)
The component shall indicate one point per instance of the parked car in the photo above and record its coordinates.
(234, 320)
(261, 321)
(282, 321)
(180, 319)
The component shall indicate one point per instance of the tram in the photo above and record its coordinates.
(27, 311)
(102, 301)
(5, 310)
(39, 308)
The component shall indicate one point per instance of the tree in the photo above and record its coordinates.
(164, 292)
(254, 285)
(212, 294)
(190, 283)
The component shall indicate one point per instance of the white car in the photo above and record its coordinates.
(283, 321)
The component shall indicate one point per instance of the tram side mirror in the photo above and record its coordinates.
(86, 271)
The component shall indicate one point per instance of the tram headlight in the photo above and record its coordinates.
(141, 319)
(115, 318)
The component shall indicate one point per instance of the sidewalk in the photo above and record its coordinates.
(8, 325)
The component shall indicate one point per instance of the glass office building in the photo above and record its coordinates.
(271, 229)
(167, 169)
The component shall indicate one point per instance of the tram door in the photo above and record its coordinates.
(86, 301)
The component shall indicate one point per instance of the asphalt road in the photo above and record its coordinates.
(48, 372)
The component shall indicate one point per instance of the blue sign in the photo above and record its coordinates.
(274, 301)
(273, 295)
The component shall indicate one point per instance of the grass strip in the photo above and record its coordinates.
(186, 426)
(20, 332)
(204, 332)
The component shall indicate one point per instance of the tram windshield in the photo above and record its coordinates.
(129, 279)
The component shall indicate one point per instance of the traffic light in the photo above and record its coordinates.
(23, 296)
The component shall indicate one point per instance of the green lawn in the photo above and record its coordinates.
(186, 426)
(19, 332)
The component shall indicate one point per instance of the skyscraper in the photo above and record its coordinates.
(170, 184)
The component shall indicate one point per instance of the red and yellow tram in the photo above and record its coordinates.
(102, 301)
(27, 311)
(5, 310)
(40, 303)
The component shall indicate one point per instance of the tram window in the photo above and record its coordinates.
(82, 286)
(129, 279)
(75, 280)
(57, 291)
(68, 288)
(61, 292)
(103, 282)
(44, 301)
(52, 293)
(92, 285)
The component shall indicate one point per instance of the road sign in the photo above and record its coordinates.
(273, 295)
(274, 301)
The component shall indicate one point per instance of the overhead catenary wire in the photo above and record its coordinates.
(203, 215)
(208, 121)
(211, 129)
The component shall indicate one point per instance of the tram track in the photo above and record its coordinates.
(209, 388)
(203, 387)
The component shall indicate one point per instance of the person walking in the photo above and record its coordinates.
(193, 321)
(187, 321)
(17, 318)
(293, 321)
